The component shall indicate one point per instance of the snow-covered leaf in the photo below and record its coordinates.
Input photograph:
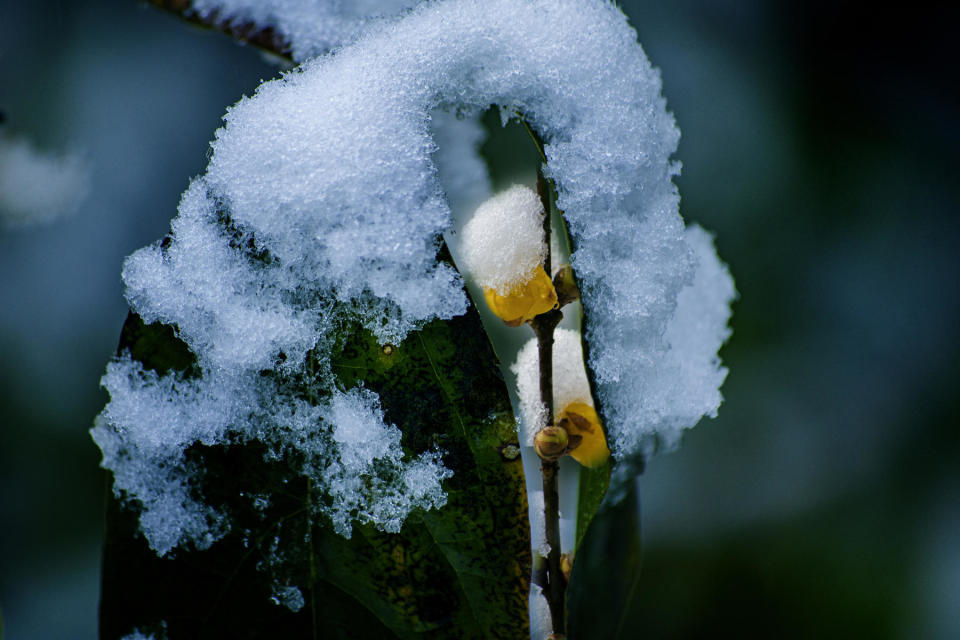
(458, 572)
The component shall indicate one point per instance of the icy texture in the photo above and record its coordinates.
(353, 457)
(140, 634)
(290, 597)
(367, 493)
(321, 205)
(678, 381)
(37, 187)
(311, 26)
(541, 625)
(504, 241)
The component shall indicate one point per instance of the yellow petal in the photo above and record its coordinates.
(525, 301)
(580, 419)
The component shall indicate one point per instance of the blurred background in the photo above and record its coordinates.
(819, 143)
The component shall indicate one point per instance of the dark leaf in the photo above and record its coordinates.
(461, 571)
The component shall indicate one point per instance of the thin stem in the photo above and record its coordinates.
(543, 326)
(556, 585)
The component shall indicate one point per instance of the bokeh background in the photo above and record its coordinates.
(819, 143)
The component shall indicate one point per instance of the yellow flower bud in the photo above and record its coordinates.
(550, 443)
(566, 565)
(524, 301)
(581, 420)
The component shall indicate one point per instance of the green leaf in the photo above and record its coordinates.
(461, 571)
(593, 488)
(606, 572)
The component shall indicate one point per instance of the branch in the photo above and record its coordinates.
(264, 37)
(543, 326)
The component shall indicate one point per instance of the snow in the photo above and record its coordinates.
(322, 204)
(677, 382)
(541, 625)
(353, 457)
(37, 187)
(570, 382)
(289, 596)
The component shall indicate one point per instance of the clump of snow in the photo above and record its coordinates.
(541, 625)
(657, 395)
(289, 596)
(141, 634)
(311, 26)
(570, 382)
(321, 206)
(37, 187)
(362, 491)
(351, 455)
(503, 242)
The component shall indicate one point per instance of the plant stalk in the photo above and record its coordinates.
(543, 326)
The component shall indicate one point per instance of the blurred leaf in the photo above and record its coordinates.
(458, 572)
(593, 488)
(606, 572)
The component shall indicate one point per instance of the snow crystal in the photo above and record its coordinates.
(322, 205)
(362, 491)
(504, 241)
(355, 461)
(38, 187)
(674, 385)
(311, 26)
(288, 596)
(541, 624)
(141, 634)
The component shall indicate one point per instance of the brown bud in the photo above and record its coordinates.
(551, 443)
(565, 283)
(566, 565)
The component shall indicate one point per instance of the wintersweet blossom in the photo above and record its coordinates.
(503, 249)
(525, 301)
(574, 411)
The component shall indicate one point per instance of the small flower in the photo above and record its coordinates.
(503, 248)
(589, 445)
(525, 301)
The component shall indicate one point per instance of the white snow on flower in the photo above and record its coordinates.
(570, 382)
(37, 187)
(503, 242)
(322, 205)
(311, 26)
